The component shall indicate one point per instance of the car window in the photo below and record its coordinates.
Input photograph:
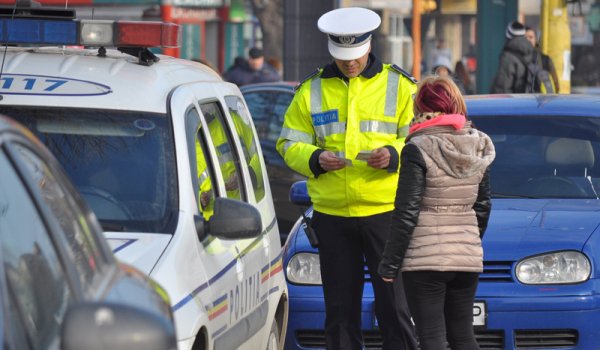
(33, 271)
(261, 105)
(200, 166)
(81, 242)
(276, 123)
(243, 126)
(122, 162)
(268, 109)
(229, 161)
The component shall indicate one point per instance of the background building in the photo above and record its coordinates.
(466, 31)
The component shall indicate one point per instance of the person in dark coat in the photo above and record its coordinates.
(541, 59)
(254, 70)
(517, 53)
(234, 73)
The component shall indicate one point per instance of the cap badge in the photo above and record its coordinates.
(347, 39)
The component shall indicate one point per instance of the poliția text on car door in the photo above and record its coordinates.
(166, 155)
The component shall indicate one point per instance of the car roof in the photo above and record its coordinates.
(533, 104)
(116, 81)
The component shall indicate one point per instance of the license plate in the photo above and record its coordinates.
(479, 313)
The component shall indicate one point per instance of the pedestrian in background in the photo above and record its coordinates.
(461, 74)
(517, 53)
(541, 59)
(251, 71)
(441, 50)
(354, 108)
(443, 67)
(441, 212)
(276, 64)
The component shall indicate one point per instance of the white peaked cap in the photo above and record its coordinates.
(349, 31)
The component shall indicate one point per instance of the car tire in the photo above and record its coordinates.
(273, 341)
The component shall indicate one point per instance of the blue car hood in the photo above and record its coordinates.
(519, 228)
(523, 227)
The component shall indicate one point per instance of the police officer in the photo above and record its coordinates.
(344, 130)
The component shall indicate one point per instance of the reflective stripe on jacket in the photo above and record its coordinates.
(345, 117)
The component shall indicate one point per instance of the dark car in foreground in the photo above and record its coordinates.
(540, 288)
(60, 284)
(268, 103)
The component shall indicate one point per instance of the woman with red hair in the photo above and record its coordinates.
(441, 211)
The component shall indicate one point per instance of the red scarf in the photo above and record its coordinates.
(455, 120)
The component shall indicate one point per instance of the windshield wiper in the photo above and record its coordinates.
(511, 195)
(589, 180)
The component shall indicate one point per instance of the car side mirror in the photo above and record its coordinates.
(234, 219)
(102, 325)
(299, 194)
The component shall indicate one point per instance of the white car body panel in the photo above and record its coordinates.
(143, 249)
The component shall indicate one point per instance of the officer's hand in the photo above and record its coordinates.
(390, 280)
(205, 198)
(380, 158)
(329, 161)
(231, 183)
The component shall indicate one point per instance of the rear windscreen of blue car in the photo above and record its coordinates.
(544, 156)
(122, 163)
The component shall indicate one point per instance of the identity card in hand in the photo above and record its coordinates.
(347, 161)
(363, 155)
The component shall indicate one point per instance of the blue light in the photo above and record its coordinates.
(64, 33)
(23, 31)
(32, 31)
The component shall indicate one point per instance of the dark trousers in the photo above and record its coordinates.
(441, 304)
(344, 246)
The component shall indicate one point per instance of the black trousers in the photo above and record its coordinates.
(441, 304)
(344, 246)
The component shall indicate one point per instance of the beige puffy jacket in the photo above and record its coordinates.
(435, 225)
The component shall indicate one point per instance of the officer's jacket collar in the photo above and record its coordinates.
(373, 67)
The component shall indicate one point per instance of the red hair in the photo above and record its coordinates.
(439, 94)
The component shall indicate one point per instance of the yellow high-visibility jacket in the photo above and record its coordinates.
(345, 116)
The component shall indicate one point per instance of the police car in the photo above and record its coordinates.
(166, 155)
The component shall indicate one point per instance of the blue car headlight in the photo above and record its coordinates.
(304, 268)
(554, 268)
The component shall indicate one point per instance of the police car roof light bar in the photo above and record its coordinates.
(89, 33)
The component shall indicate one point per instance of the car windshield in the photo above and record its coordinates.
(543, 156)
(122, 163)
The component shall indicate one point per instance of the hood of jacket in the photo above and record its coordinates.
(520, 47)
(461, 153)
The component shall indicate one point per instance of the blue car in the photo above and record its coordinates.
(540, 288)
